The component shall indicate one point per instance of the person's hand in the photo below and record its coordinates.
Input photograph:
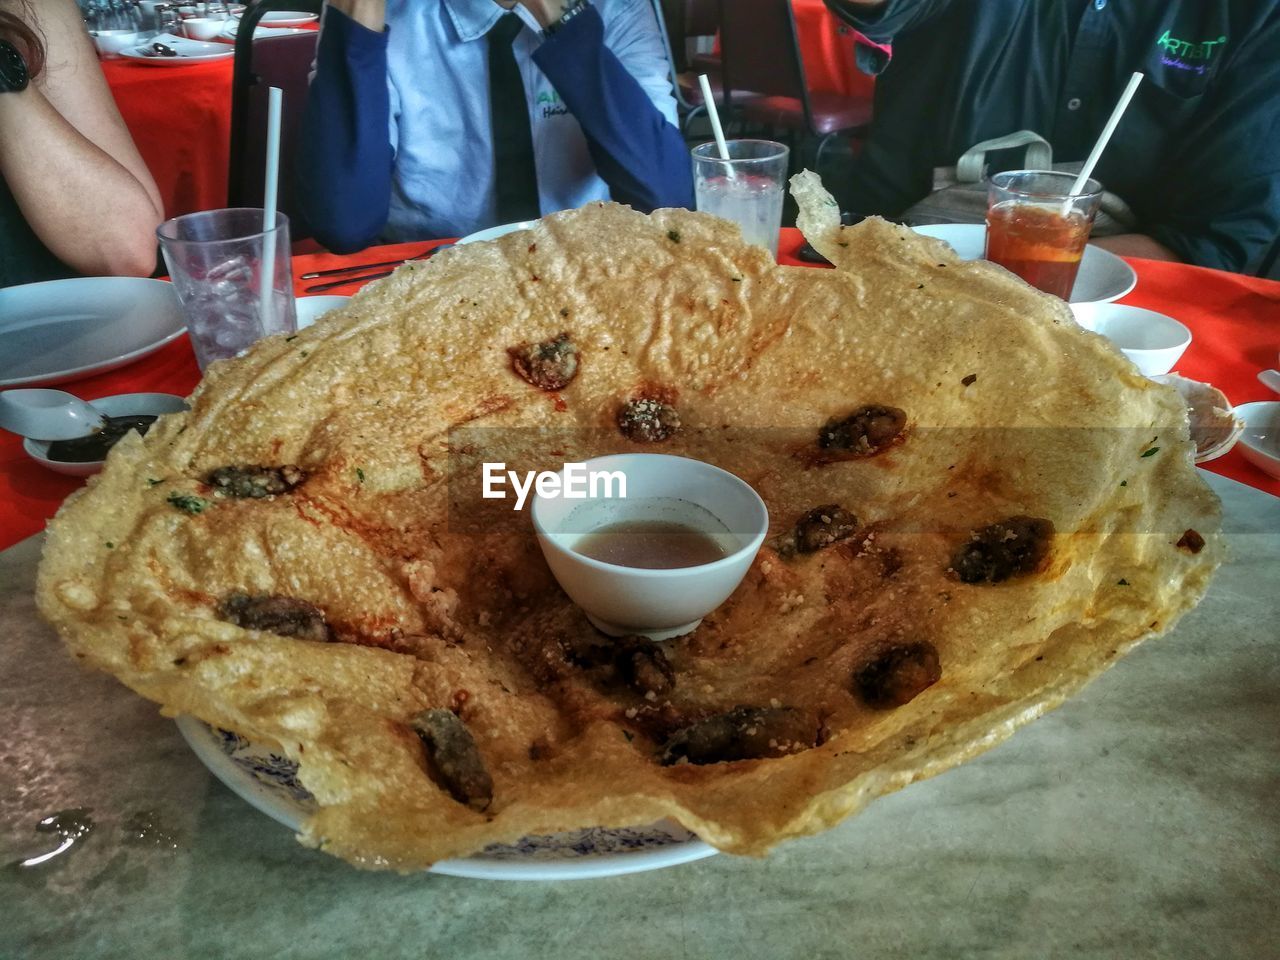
(546, 12)
(368, 13)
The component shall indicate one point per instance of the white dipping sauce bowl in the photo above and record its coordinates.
(1260, 441)
(1154, 342)
(121, 405)
(655, 603)
(109, 43)
(203, 28)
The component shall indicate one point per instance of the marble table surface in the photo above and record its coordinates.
(1140, 820)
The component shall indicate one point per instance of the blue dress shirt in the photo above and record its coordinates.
(396, 141)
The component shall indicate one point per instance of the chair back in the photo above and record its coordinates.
(661, 9)
(759, 50)
(283, 62)
(701, 18)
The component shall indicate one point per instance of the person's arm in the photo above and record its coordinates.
(1136, 245)
(69, 161)
(345, 155)
(637, 150)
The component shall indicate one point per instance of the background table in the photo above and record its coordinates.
(1137, 821)
(180, 118)
(1233, 320)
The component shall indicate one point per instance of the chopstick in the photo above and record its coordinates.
(356, 268)
(333, 284)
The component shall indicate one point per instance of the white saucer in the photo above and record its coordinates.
(1260, 441)
(260, 33)
(287, 18)
(187, 50)
(120, 405)
(269, 782)
(493, 233)
(1103, 276)
(60, 330)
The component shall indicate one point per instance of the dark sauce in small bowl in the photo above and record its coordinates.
(95, 446)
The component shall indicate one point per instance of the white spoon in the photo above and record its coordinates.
(48, 414)
(1271, 378)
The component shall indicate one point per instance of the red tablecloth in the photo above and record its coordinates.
(1232, 318)
(180, 118)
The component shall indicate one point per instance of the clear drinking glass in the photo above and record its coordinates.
(747, 188)
(1038, 229)
(233, 279)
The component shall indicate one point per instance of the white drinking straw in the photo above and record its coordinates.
(1103, 138)
(713, 115)
(270, 189)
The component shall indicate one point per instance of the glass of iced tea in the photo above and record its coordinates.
(1037, 228)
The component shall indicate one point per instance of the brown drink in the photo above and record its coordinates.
(1038, 244)
(1037, 229)
(651, 544)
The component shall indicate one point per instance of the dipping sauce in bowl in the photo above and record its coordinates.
(123, 412)
(657, 560)
(652, 544)
(95, 445)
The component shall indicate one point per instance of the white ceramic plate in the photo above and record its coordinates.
(259, 33)
(122, 404)
(1103, 276)
(63, 329)
(269, 782)
(288, 18)
(1260, 442)
(187, 50)
(493, 233)
(311, 309)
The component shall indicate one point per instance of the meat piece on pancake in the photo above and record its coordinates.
(549, 365)
(862, 433)
(743, 733)
(1009, 548)
(643, 665)
(285, 616)
(823, 526)
(648, 420)
(455, 761)
(253, 482)
(898, 675)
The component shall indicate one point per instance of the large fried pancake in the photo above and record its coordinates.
(416, 596)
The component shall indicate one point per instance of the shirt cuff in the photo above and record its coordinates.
(585, 28)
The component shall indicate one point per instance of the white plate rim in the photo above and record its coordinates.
(298, 18)
(204, 744)
(135, 54)
(501, 230)
(103, 366)
(939, 231)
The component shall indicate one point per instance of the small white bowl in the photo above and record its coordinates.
(203, 28)
(122, 404)
(1260, 442)
(1154, 342)
(110, 42)
(1214, 426)
(311, 309)
(655, 603)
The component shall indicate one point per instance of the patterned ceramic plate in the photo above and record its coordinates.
(270, 783)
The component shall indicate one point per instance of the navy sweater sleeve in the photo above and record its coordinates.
(344, 155)
(639, 154)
